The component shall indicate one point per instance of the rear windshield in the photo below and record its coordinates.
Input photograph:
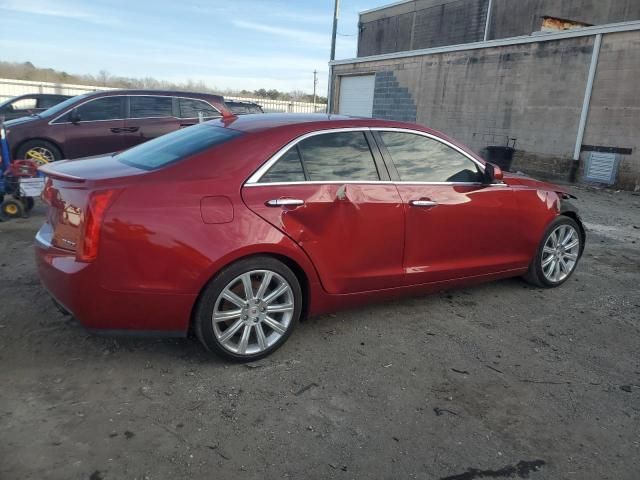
(175, 146)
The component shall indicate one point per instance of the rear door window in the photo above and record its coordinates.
(287, 169)
(150, 107)
(191, 107)
(175, 146)
(106, 108)
(340, 156)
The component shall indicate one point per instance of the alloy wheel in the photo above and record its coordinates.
(40, 155)
(253, 312)
(560, 253)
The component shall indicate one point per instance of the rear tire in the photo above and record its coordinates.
(558, 254)
(249, 309)
(37, 149)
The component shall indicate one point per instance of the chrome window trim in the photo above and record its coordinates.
(321, 182)
(373, 182)
(51, 122)
(254, 179)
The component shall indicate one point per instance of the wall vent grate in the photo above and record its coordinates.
(601, 168)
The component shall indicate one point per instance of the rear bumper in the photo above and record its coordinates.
(76, 286)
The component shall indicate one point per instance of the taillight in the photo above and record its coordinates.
(99, 202)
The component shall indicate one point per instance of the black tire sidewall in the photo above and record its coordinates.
(12, 201)
(28, 145)
(536, 267)
(203, 325)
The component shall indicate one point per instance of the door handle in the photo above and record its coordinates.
(423, 203)
(124, 129)
(284, 202)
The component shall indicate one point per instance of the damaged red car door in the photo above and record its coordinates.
(331, 194)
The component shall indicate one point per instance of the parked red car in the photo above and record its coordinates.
(108, 121)
(236, 228)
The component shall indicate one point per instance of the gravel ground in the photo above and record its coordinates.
(497, 381)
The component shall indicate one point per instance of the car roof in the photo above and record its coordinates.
(148, 91)
(307, 121)
(241, 102)
(32, 95)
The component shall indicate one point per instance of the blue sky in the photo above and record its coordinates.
(236, 44)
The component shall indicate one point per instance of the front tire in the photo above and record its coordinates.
(249, 309)
(558, 254)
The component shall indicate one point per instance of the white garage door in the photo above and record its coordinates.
(356, 95)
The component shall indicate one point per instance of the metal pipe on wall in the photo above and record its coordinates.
(587, 96)
(486, 25)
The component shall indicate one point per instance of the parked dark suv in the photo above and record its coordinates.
(25, 105)
(107, 121)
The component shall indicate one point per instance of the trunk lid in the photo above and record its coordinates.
(71, 191)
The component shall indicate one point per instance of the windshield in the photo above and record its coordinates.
(175, 146)
(61, 107)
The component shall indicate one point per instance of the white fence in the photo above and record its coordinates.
(11, 88)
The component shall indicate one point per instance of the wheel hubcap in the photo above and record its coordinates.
(11, 209)
(40, 155)
(253, 312)
(560, 253)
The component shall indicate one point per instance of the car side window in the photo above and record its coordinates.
(190, 107)
(423, 159)
(106, 108)
(150, 107)
(24, 104)
(48, 102)
(340, 156)
(288, 168)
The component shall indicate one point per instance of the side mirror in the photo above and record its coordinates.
(492, 173)
(74, 116)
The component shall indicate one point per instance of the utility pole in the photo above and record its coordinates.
(336, 9)
(315, 83)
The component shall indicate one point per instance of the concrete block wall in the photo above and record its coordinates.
(532, 92)
(421, 24)
(390, 100)
(614, 113)
(450, 24)
(508, 20)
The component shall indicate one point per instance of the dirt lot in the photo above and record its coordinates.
(497, 381)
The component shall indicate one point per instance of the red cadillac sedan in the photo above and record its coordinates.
(237, 228)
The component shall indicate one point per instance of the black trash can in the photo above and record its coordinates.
(500, 156)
